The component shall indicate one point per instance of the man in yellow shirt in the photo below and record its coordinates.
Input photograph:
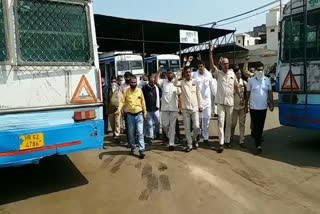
(136, 110)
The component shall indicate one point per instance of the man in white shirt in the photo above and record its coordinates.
(208, 89)
(259, 92)
(169, 105)
(226, 86)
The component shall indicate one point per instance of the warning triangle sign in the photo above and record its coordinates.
(83, 93)
(287, 82)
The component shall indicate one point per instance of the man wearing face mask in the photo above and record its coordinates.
(259, 92)
(208, 89)
(136, 113)
(143, 82)
(226, 86)
(152, 98)
(112, 107)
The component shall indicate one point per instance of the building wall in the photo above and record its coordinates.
(244, 40)
(272, 23)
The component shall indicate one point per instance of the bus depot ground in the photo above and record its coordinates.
(284, 179)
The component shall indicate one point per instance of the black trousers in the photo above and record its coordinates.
(258, 118)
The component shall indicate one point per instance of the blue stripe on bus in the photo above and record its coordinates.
(300, 116)
(150, 59)
(107, 60)
(91, 135)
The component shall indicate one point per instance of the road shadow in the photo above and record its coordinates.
(290, 145)
(53, 174)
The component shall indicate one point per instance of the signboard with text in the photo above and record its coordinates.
(189, 37)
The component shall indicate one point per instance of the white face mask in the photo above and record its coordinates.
(259, 75)
(122, 82)
(114, 86)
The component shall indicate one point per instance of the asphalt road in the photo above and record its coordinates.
(285, 178)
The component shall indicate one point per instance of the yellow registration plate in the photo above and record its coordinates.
(32, 141)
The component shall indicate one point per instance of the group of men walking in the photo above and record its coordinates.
(156, 102)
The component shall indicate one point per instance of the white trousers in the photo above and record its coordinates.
(194, 115)
(168, 121)
(224, 116)
(205, 122)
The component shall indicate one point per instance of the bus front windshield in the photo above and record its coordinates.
(135, 65)
(174, 65)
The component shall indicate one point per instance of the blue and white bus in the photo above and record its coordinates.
(152, 64)
(298, 71)
(119, 64)
(51, 101)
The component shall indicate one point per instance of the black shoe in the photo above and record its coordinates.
(171, 148)
(141, 156)
(228, 145)
(259, 150)
(242, 145)
(195, 145)
(188, 149)
(220, 149)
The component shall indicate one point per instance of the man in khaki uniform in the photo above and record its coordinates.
(226, 86)
(113, 101)
(191, 105)
(238, 109)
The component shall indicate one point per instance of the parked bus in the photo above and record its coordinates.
(298, 71)
(51, 100)
(152, 64)
(120, 64)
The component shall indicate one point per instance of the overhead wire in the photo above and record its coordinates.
(239, 15)
(247, 17)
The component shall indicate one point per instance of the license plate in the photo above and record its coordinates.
(31, 141)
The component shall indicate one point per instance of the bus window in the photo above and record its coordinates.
(123, 66)
(296, 39)
(113, 69)
(135, 65)
(313, 35)
(164, 63)
(58, 34)
(3, 46)
(293, 39)
(102, 69)
(174, 65)
(150, 69)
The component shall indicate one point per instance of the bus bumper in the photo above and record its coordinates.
(58, 140)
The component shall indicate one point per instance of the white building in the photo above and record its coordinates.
(272, 24)
(244, 39)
